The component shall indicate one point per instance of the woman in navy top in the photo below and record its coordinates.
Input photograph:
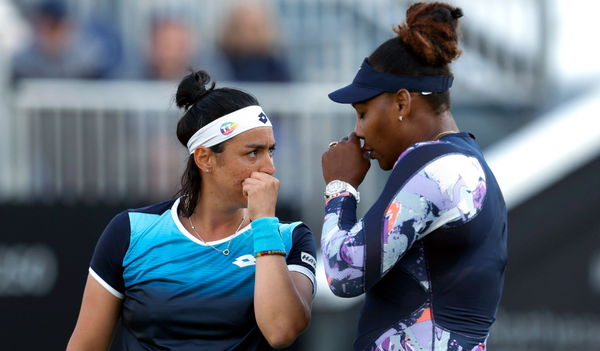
(213, 269)
(430, 253)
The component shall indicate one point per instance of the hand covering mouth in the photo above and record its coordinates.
(368, 153)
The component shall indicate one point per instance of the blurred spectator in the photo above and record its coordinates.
(249, 45)
(13, 30)
(170, 51)
(60, 49)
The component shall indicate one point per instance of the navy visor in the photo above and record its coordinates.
(369, 83)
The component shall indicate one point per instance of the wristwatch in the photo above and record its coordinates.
(336, 187)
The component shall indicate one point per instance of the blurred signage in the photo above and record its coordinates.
(43, 272)
(546, 330)
(27, 270)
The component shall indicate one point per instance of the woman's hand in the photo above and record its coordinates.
(345, 161)
(261, 190)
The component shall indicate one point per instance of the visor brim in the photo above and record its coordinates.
(352, 94)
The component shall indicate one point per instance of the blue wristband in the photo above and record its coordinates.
(266, 235)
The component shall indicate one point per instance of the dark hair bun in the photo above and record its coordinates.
(193, 88)
(431, 32)
(456, 13)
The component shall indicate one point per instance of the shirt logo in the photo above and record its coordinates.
(245, 261)
(263, 118)
(228, 127)
(309, 259)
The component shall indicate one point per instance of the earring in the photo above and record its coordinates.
(400, 118)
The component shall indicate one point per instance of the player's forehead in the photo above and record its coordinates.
(261, 137)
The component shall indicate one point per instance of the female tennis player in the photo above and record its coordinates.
(213, 269)
(430, 254)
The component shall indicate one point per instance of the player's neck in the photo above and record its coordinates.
(217, 221)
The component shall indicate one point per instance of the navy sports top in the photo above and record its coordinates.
(430, 254)
(180, 294)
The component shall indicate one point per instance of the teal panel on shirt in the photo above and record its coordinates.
(161, 256)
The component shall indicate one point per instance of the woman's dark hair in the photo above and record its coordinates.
(202, 104)
(425, 46)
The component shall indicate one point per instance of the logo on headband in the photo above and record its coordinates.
(228, 127)
(263, 118)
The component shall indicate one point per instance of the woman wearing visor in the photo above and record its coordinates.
(430, 253)
(213, 269)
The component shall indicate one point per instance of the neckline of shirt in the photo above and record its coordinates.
(191, 237)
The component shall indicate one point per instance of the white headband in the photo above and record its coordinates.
(228, 126)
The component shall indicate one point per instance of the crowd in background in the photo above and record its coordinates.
(49, 42)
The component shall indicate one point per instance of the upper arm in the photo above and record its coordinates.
(106, 265)
(97, 318)
(448, 189)
(104, 289)
(304, 287)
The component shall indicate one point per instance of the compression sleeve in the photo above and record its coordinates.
(447, 188)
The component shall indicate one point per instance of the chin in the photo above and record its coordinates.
(386, 166)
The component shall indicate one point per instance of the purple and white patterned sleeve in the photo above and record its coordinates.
(446, 190)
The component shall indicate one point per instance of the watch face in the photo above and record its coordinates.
(335, 187)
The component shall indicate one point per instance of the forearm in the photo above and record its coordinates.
(281, 313)
(343, 248)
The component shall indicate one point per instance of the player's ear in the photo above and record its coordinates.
(204, 159)
(402, 102)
